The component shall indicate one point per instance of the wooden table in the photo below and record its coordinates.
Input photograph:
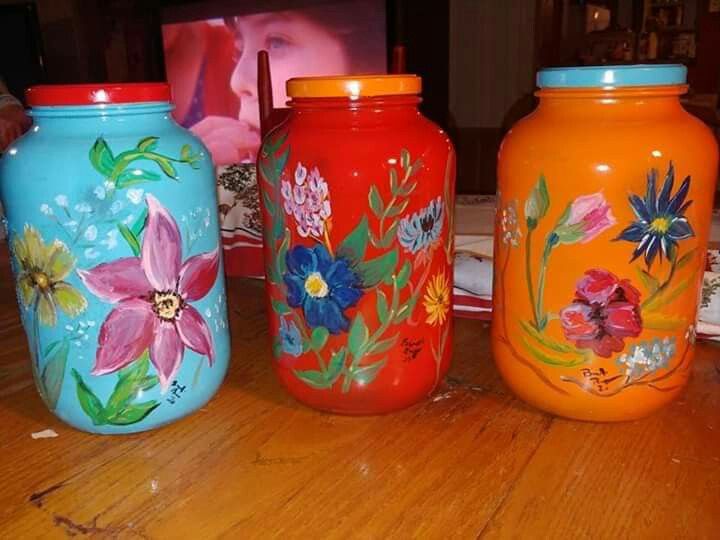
(472, 461)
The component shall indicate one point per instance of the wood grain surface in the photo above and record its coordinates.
(470, 462)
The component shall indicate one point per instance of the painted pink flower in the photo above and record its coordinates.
(604, 312)
(589, 216)
(152, 294)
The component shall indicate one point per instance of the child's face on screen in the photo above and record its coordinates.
(297, 46)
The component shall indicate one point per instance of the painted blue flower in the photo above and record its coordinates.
(661, 220)
(417, 231)
(290, 338)
(324, 287)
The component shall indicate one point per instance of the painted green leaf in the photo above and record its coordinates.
(404, 274)
(685, 259)
(281, 161)
(407, 188)
(359, 334)
(281, 308)
(667, 296)
(335, 367)
(367, 374)
(650, 282)
(375, 270)
(548, 342)
(384, 345)
(275, 144)
(543, 357)
(393, 182)
(389, 236)
(185, 152)
(415, 167)
(406, 309)
(570, 234)
(354, 246)
(269, 204)
(148, 144)
(137, 369)
(89, 402)
(313, 378)
(53, 374)
(537, 203)
(382, 306)
(166, 167)
(319, 338)
(130, 238)
(267, 174)
(397, 209)
(277, 349)
(282, 253)
(129, 385)
(133, 413)
(130, 177)
(101, 157)
(404, 158)
(376, 204)
(139, 224)
(663, 321)
(48, 348)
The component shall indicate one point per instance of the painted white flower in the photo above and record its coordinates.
(135, 195)
(647, 356)
(91, 253)
(45, 209)
(72, 225)
(100, 192)
(83, 208)
(208, 312)
(111, 240)
(91, 233)
(128, 220)
(61, 201)
(116, 207)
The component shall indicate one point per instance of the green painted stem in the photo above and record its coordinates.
(663, 286)
(539, 316)
(528, 276)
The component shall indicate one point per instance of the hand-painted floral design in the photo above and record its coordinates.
(661, 220)
(437, 299)
(604, 312)
(307, 200)
(647, 357)
(510, 225)
(42, 271)
(324, 287)
(418, 231)
(290, 338)
(152, 294)
(587, 217)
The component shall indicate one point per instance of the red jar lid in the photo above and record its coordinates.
(96, 94)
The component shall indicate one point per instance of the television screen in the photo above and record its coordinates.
(211, 60)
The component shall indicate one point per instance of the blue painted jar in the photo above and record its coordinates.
(113, 231)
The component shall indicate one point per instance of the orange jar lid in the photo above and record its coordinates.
(354, 86)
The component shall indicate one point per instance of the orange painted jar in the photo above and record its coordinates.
(357, 199)
(604, 206)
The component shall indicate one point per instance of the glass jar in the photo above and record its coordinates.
(111, 213)
(604, 208)
(357, 196)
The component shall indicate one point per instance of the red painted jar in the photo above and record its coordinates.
(357, 199)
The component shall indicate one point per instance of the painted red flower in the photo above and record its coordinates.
(604, 312)
(152, 294)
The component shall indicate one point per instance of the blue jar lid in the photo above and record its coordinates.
(612, 76)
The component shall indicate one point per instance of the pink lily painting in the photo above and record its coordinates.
(152, 295)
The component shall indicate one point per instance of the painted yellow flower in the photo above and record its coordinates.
(42, 269)
(437, 299)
